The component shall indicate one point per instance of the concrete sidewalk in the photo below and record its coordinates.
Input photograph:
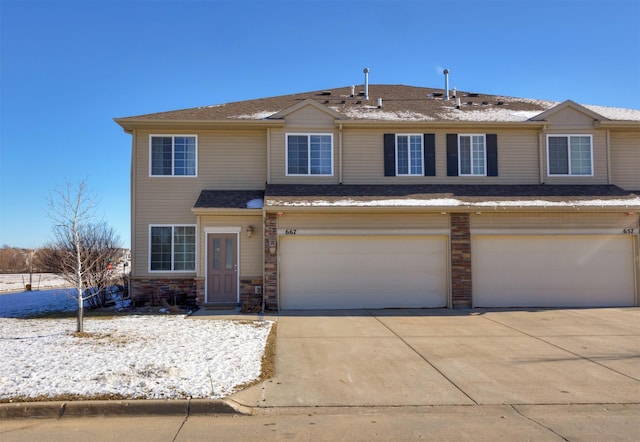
(373, 358)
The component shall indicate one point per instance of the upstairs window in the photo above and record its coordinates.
(310, 154)
(569, 155)
(472, 155)
(409, 154)
(173, 155)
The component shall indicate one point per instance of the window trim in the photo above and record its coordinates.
(173, 159)
(408, 135)
(484, 152)
(569, 173)
(308, 135)
(173, 226)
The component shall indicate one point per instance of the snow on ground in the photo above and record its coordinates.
(143, 357)
(17, 305)
(37, 280)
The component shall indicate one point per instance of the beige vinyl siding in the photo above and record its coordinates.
(518, 158)
(569, 119)
(278, 156)
(250, 248)
(234, 160)
(599, 149)
(362, 220)
(625, 160)
(309, 116)
(565, 221)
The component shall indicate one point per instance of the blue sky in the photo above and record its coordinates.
(67, 68)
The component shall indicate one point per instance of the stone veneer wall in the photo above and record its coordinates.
(460, 260)
(199, 291)
(153, 291)
(251, 302)
(270, 289)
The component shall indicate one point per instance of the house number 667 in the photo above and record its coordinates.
(628, 231)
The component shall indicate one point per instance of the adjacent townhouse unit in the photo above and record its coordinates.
(387, 196)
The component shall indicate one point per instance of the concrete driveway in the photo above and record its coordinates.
(453, 357)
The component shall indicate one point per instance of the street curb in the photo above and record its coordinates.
(122, 408)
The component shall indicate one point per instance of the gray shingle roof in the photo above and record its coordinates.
(398, 103)
(227, 199)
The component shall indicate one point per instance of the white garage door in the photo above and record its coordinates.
(339, 272)
(553, 271)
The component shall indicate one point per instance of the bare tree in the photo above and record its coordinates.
(82, 247)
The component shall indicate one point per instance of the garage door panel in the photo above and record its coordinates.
(362, 272)
(552, 271)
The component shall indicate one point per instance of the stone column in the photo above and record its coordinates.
(270, 290)
(460, 260)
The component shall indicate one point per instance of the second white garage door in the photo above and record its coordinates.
(553, 271)
(342, 272)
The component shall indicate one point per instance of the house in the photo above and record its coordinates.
(387, 196)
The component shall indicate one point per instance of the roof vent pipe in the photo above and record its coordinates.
(446, 83)
(353, 91)
(379, 102)
(366, 83)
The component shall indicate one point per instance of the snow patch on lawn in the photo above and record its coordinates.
(23, 304)
(143, 357)
(138, 357)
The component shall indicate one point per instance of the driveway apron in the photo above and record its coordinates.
(452, 357)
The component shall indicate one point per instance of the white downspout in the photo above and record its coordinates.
(268, 155)
(340, 153)
(608, 149)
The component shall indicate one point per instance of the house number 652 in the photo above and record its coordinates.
(628, 231)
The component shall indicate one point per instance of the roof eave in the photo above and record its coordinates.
(633, 126)
(462, 208)
(225, 211)
(128, 125)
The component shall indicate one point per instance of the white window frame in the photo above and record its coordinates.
(471, 156)
(308, 135)
(409, 157)
(173, 157)
(173, 226)
(569, 172)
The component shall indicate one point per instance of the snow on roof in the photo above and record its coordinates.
(616, 113)
(453, 202)
(374, 113)
(255, 204)
(261, 115)
(487, 114)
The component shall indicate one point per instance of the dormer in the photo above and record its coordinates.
(308, 113)
(570, 115)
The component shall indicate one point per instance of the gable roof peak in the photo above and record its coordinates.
(569, 104)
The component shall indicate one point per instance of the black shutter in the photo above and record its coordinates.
(452, 154)
(389, 154)
(429, 154)
(492, 154)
